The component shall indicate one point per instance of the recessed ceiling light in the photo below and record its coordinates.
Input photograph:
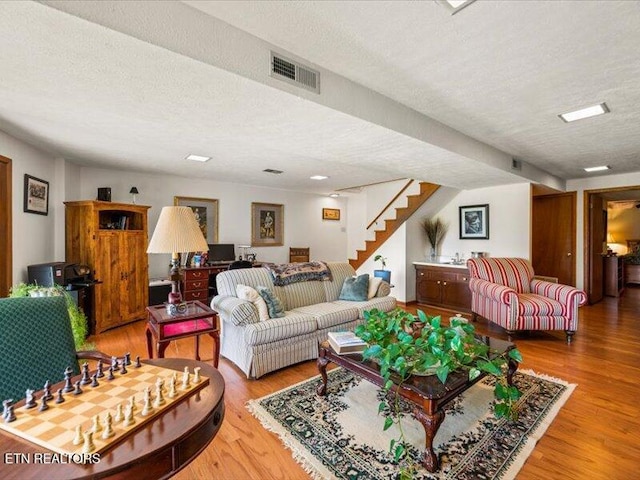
(198, 158)
(454, 6)
(597, 169)
(587, 112)
(318, 177)
(271, 170)
(334, 195)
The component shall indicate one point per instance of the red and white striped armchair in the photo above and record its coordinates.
(504, 291)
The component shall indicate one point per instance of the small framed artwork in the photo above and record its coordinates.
(331, 214)
(206, 212)
(267, 224)
(36, 195)
(474, 222)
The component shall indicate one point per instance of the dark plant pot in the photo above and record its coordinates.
(383, 274)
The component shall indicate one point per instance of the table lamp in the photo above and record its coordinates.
(177, 231)
(610, 241)
(133, 192)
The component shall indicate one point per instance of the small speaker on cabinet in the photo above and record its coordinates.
(104, 194)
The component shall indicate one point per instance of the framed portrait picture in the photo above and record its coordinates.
(474, 222)
(267, 225)
(331, 214)
(36, 195)
(206, 212)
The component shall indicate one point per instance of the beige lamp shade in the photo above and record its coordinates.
(610, 238)
(177, 231)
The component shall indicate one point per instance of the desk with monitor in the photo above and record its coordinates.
(199, 283)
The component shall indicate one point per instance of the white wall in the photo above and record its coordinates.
(594, 183)
(303, 224)
(33, 235)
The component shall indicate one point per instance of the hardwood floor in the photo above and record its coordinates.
(596, 435)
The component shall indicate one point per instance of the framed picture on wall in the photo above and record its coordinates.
(267, 225)
(36, 195)
(474, 222)
(206, 212)
(331, 214)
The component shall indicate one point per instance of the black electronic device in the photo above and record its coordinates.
(69, 275)
(221, 252)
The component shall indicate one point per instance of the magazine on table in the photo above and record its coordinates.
(346, 342)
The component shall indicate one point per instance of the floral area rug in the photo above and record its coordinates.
(340, 436)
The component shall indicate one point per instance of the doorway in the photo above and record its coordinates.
(6, 259)
(595, 234)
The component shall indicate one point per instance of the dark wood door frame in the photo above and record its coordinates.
(587, 225)
(6, 232)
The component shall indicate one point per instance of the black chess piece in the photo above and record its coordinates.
(94, 380)
(86, 380)
(138, 364)
(99, 371)
(123, 370)
(44, 405)
(46, 391)
(111, 375)
(77, 390)
(127, 358)
(68, 387)
(59, 398)
(30, 399)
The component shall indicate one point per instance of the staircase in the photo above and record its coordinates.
(402, 214)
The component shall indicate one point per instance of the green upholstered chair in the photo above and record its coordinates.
(36, 345)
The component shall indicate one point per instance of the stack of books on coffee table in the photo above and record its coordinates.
(346, 342)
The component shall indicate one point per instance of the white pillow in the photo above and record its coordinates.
(245, 292)
(374, 283)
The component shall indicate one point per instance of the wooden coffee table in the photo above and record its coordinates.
(428, 395)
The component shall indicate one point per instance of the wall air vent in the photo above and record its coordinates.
(271, 170)
(294, 73)
(516, 164)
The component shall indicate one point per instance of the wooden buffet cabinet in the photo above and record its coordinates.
(443, 286)
(112, 239)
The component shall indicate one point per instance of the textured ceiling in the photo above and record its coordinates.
(499, 72)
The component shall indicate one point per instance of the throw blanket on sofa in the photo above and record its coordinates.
(288, 273)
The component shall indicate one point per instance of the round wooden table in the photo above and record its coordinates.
(157, 450)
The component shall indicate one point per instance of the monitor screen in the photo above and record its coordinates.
(222, 252)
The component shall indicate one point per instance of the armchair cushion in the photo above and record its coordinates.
(239, 312)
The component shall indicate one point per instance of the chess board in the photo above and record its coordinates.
(55, 428)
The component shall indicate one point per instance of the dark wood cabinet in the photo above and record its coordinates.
(446, 287)
(631, 273)
(112, 239)
(613, 275)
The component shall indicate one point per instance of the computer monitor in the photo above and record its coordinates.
(222, 252)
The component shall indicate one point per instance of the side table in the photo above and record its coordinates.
(198, 320)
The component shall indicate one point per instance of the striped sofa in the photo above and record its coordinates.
(312, 310)
(504, 291)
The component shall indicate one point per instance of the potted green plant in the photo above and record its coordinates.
(382, 273)
(404, 345)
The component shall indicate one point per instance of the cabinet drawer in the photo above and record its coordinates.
(462, 277)
(196, 275)
(198, 295)
(197, 284)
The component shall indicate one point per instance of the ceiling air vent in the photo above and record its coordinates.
(271, 170)
(516, 164)
(295, 73)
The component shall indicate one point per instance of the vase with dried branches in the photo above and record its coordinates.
(435, 229)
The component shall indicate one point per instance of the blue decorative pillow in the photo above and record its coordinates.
(355, 289)
(274, 305)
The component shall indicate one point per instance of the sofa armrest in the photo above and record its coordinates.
(384, 289)
(494, 291)
(564, 294)
(237, 311)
